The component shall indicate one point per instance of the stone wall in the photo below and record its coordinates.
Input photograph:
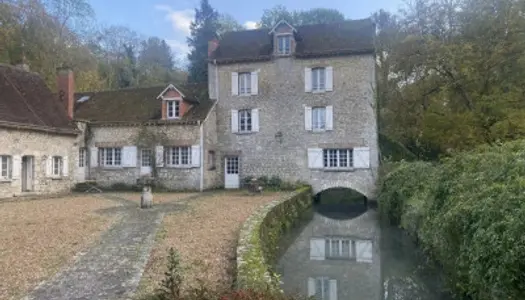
(260, 235)
(171, 178)
(39, 145)
(213, 175)
(281, 101)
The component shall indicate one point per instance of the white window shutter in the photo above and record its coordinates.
(159, 156)
(235, 121)
(93, 157)
(235, 83)
(311, 287)
(65, 166)
(16, 167)
(307, 80)
(317, 249)
(308, 118)
(129, 154)
(254, 83)
(195, 156)
(329, 111)
(333, 289)
(361, 157)
(255, 120)
(363, 251)
(49, 166)
(315, 158)
(329, 77)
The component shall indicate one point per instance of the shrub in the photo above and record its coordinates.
(468, 213)
(275, 182)
(263, 180)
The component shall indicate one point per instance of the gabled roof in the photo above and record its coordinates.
(340, 38)
(27, 102)
(282, 22)
(136, 105)
(170, 87)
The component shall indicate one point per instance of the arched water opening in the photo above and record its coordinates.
(340, 203)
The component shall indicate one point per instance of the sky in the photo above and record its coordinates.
(170, 19)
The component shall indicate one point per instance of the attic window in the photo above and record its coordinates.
(284, 43)
(173, 109)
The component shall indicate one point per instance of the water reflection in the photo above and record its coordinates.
(341, 252)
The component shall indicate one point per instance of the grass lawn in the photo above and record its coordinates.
(206, 236)
(38, 237)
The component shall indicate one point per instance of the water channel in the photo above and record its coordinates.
(341, 251)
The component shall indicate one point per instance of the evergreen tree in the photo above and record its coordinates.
(203, 29)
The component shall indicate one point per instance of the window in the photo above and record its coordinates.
(173, 107)
(178, 156)
(337, 158)
(211, 160)
(5, 167)
(245, 120)
(146, 157)
(56, 166)
(318, 79)
(110, 157)
(322, 288)
(82, 157)
(245, 83)
(318, 118)
(284, 43)
(339, 248)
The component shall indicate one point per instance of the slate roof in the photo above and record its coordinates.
(139, 105)
(27, 102)
(340, 38)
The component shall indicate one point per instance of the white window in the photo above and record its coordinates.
(318, 79)
(245, 120)
(245, 84)
(5, 167)
(339, 248)
(178, 156)
(57, 166)
(81, 157)
(146, 157)
(173, 107)
(110, 157)
(284, 43)
(337, 158)
(318, 118)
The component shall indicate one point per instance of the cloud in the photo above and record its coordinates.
(251, 25)
(180, 49)
(180, 19)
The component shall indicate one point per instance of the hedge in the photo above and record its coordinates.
(257, 248)
(468, 214)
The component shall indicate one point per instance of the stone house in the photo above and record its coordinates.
(297, 103)
(37, 136)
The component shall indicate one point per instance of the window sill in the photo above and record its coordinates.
(172, 118)
(244, 95)
(318, 130)
(180, 167)
(245, 132)
(5, 180)
(319, 91)
(56, 178)
(335, 169)
(109, 168)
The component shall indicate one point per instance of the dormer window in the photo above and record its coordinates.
(173, 109)
(284, 44)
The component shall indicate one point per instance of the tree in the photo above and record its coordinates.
(228, 23)
(203, 29)
(313, 16)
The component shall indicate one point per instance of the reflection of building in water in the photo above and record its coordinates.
(335, 259)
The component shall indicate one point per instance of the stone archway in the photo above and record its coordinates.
(340, 203)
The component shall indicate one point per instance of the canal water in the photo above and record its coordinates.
(341, 251)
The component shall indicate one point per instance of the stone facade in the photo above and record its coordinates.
(39, 146)
(280, 146)
(212, 164)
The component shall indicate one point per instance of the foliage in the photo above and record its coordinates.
(228, 23)
(171, 284)
(274, 183)
(271, 16)
(258, 243)
(203, 29)
(468, 214)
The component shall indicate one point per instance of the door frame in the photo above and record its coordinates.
(145, 170)
(28, 172)
(225, 170)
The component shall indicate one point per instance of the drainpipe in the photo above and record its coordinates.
(201, 134)
(216, 80)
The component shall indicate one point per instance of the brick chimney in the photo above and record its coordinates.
(212, 46)
(66, 89)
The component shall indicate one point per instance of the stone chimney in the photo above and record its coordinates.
(212, 46)
(66, 89)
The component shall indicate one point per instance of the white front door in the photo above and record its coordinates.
(80, 171)
(145, 161)
(231, 172)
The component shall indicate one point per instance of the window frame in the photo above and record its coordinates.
(173, 108)
(82, 157)
(318, 125)
(149, 156)
(335, 154)
(57, 166)
(324, 287)
(108, 157)
(318, 81)
(8, 167)
(339, 253)
(174, 156)
(246, 116)
(284, 48)
(244, 78)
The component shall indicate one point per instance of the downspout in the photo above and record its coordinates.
(216, 80)
(201, 133)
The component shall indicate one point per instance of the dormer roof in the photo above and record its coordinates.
(282, 23)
